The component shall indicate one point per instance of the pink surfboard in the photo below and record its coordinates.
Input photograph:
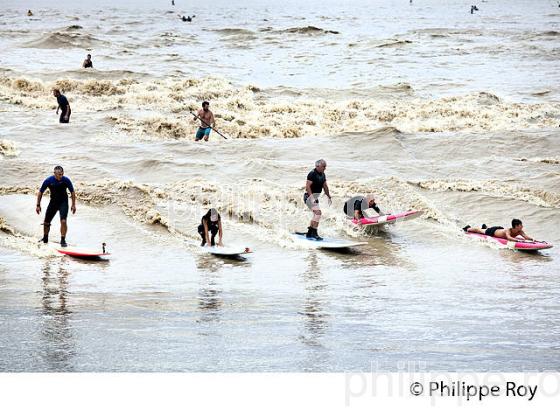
(83, 252)
(504, 243)
(387, 219)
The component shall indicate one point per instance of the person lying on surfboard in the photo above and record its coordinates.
(57, 184)
(316, 182)
(211, 223)
(355, 207)
(510, 234)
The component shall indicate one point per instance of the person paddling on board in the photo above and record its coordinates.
(510, 234)
(355, 207)
(63, 105)
(315, 184)
(87, 62)
(57, 184)
(207, 121)
(211, 224)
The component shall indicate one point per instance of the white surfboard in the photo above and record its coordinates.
(326, 243)
(226, 250)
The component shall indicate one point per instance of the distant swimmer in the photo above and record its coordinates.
(211, 224)
(187, 18)
(29, 13)
(473, 9)
(63, 106)
(315, 184)
(87, 62)
(499, 231)
(172, 2)
(355, 207)
(207, 121)
(57, 185)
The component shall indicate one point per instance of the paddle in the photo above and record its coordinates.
(204, 122)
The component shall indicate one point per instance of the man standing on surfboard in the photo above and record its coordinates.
(499, 231)
(57, 184)
(316, 182)
(355, 207)
(207, 121)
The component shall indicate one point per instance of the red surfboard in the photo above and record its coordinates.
(83, 252)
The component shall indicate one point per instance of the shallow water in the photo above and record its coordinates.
(427, 107)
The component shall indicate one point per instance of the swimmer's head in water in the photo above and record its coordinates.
(58, 172)
(89, 56)
(56, 92)
(205, 105)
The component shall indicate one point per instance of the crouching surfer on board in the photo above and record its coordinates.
(355, 207)
(315, 184)
(211, 223)
(57, 184)
(499, 231)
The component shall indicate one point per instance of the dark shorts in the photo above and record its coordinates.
(213, 230)
(492, 230)
(62, 119)
(203, 132)
(53, 208)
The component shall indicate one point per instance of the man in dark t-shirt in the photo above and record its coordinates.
(63, 106)
(57, 185)
(316, 183)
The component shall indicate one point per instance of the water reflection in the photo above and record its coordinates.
(56, 331)
(314, 310)
(209, 298)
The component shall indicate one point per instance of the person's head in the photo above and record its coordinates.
(58, 172)
(89, 57)
(212, 215)
(205, 105)
(370, 200)
(56, 92)
(517, 225)
(320, 165)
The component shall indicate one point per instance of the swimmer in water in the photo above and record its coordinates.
(63, 106)
(87, 62)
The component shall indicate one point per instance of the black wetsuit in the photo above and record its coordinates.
(88, 64)
(213, 228)
(64, 108)
(59, 197)
(359, 203)
(317, 182)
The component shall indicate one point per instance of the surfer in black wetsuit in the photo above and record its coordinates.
(57, 185)
(63, 106)
(510, 234)
(211, 223)
(315, 184)
(87, 62)
(355, 207)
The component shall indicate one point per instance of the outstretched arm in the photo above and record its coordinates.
(523, 234)
(220, 233)
(206, 233)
